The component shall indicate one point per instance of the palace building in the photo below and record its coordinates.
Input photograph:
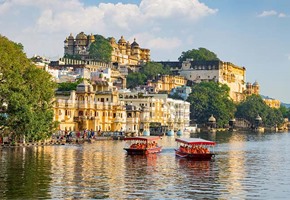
(91, 107)
(124, 53)
(218, 71)
(99, 106)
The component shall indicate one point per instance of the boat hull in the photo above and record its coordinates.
(131, 151)
(200, 156)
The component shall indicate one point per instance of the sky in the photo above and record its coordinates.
(249, 33)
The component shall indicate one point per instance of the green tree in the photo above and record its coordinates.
(135, 79)
(253, 106)
(201, 54)
(175, 96)
(211, 98)
(75, 57)
(152, 70)
(69, 86)
(27, 91)
(285, 111)
(101, 49)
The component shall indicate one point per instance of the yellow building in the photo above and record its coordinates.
(273, 103)
(252, 88)
(167, 82)
(218, 71)
(123, 52)
(89, 109)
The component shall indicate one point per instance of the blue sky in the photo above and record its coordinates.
(250, 33)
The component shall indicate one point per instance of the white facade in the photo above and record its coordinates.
(169, 112)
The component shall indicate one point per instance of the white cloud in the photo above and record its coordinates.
(269, 13)
(175, 8)
(5, 6)
(53, 18)
(282, 15)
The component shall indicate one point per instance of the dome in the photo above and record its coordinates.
(92, 37)
(146, 133)
(255, 83)
(122, 40)
(71, 37)
(112, 40)
(179, 133)
(258, 118)
(134, 44)
(212, 119)
(81, 36)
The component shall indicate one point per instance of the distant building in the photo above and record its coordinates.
(123, 52)
(166, 83)
(89, 70)
(40, 61)
(252, 89)
(174, 114)
(218, 71)
(181, 91)
(272, 103)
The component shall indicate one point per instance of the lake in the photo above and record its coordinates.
(247, 166)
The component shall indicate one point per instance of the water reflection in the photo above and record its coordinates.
(25, 170)
(247, 166)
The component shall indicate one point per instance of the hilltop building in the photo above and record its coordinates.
(218, 71)
(67, 70)
(272, 103)
(252, 89)
(124, 53)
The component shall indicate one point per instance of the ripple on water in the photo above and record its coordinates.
(246, 167)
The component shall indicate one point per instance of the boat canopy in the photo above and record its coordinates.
(143, 138)
(195, 141)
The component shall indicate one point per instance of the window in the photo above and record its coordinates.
(81, 113)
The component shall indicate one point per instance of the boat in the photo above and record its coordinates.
(194, 148)
(142, 145)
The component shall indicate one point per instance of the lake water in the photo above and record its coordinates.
(247, 166)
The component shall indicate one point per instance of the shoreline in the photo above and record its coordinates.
(61, 142)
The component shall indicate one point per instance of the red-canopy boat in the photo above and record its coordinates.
(194, 148)
(142, 145)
